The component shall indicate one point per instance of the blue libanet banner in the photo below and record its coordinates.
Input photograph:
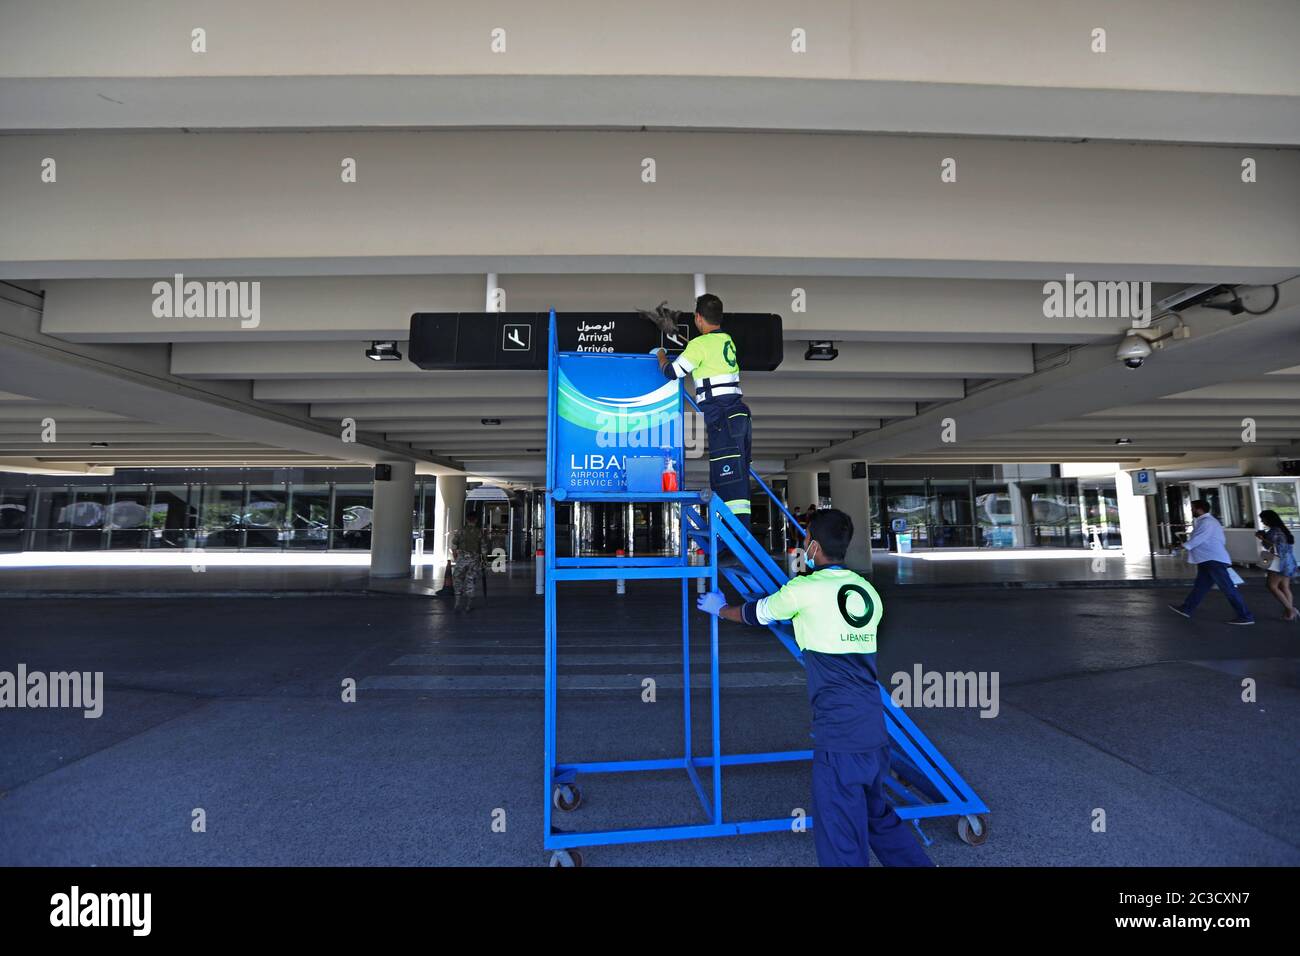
(610, 408)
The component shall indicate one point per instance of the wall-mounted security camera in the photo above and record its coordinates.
(1133, 350)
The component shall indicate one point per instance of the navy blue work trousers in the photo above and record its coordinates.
(727, 422)
(851, 816)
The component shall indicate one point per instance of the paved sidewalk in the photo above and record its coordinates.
(1106, 700)
(96, 574)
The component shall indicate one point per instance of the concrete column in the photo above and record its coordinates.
(1134, 531)
(853, 497)
(1021, 519)
(390, 534)
(449, 516)
(1084, 523)
(801, 489)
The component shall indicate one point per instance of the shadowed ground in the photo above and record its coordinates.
(1108, 700)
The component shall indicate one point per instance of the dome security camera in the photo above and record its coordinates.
(1133, 350)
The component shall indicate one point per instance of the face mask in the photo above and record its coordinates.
(808, 559)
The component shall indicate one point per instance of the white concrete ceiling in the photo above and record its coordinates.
(645, 102)
(38, 436)
(880, 400)
(1194, 397)
(776, 172)
(1170, 70)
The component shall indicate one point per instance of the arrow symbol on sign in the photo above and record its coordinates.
(514, 337)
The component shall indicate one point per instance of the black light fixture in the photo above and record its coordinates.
(821, 352)
(490, 421)
(1123, 441)
(383, 352)
(1233, 306)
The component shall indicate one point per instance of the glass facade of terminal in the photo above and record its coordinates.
(329, 509)
(975, 513)
(219, 509)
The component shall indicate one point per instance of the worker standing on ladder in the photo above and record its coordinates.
(711, 361)
(836, 614)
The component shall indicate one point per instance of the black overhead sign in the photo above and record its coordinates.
(506, 340)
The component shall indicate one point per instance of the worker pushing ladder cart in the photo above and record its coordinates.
(591, 397)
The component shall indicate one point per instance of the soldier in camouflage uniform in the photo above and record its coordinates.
(468, 546)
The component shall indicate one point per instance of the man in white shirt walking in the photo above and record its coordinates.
(1206, 549)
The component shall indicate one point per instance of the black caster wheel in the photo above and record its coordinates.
(566, 858)
(567, 797)
(973, 829)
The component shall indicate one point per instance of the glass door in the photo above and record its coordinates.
(1175, 515)
(995, 514)
(265, 518)
(1213, 497)
(14, 506)
(1100, 515)
(173, 519)
(952, 522)
(1281, 495)
(906, 500)
(494, 519)
(221, 516)
(126, 524)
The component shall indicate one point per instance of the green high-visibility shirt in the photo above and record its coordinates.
(835, 614)
(712, 362)
(834, 611)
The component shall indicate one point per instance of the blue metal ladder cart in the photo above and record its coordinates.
(923, 785)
